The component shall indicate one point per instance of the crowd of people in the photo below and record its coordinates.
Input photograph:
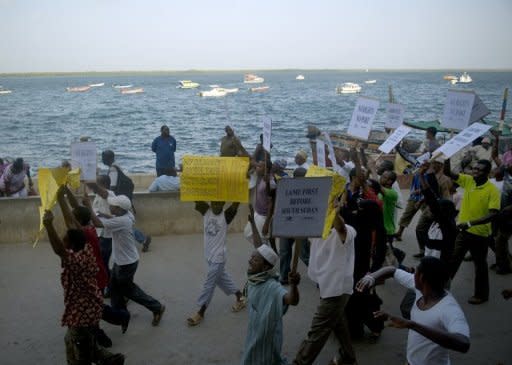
(465, 204)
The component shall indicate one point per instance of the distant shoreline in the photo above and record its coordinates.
(174, 72)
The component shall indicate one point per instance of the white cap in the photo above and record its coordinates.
(121, 201)
(439, 159)
(268, 254)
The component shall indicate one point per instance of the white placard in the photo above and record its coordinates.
(479, 110)
(394, 139)
(395, 115)
(462, 139)
(267, 133)
(332, 156)
(83, 155)
(320, 153)
(457, 109)
(362, 118)
(301, 206)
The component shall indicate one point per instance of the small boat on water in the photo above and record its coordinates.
(259, 89)
(454, 81)
(97, 85)
(253, 79)
(78, 89)
(465, 78)
(449, 77)
(5, 92)
(348, 88)
(122, 86)
(187, 84)
(215, 92)
(370, 81)
(300, 77)
(137, 90)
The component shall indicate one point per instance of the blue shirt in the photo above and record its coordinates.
(164, 149)
(265, 331)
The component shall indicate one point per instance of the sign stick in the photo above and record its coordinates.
(295, 259)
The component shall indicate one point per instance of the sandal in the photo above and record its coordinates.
(239, 305)
(194, 320)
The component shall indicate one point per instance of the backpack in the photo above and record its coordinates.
(124, 184)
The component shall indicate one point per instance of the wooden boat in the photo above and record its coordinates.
(78, 89)
(132, 91)
(259, 89)
(253, 79)
(449, 77)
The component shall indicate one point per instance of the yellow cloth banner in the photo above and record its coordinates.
(48, 182)
(338, 187)
(208, 178)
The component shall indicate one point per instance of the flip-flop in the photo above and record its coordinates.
(239, 305)
(194, 320)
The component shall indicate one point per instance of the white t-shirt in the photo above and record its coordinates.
(165, 183)
(331, 263)
(445, 315)
(112, 174)
(100, 205)
(215, 232)
(124, 251)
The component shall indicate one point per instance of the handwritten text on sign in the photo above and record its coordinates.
(457, 109)
(394, 139)
(214, 179)
(462, 139)
(395, 115)
(301, 207)
(362, 118)
(83, 156)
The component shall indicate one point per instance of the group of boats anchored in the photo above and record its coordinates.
(123, 89)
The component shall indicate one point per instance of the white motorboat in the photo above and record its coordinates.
(97, 85)
(465, 78)
(231, 91)
(348, 88)
(300, 77)
(122, 86)
(5, 92)
(454, 81)
(78, 89)
(215, 92)
(253, 79)
(370, 81)
(259, 89)
(137, 90)
(187, 84)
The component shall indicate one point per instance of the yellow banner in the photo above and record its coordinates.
(208, 178)
(48, 182)
(338, 187)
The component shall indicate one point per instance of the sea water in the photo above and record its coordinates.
(40, 120)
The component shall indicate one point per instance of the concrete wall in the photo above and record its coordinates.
(157, 214)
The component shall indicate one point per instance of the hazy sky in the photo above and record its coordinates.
(103, 35)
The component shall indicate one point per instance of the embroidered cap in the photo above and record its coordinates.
(121, 201)
(268, 253)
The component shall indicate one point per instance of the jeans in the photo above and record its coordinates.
(285, 255)
(106, 252)
(122, 286)
(329, 317)
(140, 237)
(477, 246)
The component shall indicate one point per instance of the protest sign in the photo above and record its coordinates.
(83, 156)
(395, 115)
(479, 110)
(338, 187)
(320, 153)
(267, 133)
(301, 207)
(208, 178)
(462, 139)
(457, 109)
(394, 139)
(362, 118)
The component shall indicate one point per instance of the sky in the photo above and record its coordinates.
(126, 35)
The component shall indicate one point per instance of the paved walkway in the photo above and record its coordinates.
(173, 271)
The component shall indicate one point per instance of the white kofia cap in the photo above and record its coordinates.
(121, 201)
(268, 253)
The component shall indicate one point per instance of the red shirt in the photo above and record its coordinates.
(94, 242)
(83, 303)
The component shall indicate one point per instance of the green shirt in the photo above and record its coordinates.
(477, 202)
(389, 197)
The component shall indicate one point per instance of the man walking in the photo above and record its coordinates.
(164, 146)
